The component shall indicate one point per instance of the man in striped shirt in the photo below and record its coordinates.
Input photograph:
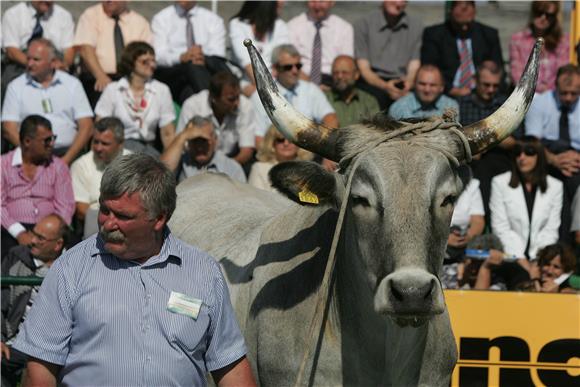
(134, 305)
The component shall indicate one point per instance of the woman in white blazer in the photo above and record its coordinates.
(526, 203)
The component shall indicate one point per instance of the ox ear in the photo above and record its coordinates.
(304, 182)
(464, 174)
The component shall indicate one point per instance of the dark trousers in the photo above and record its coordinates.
(12, 369)
(381, 96)
(8, 241)
(186, 79)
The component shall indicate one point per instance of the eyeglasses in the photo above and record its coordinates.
(529, 150)
(280, 140)
(147, 62)
(289, 67)
(548, 15)
(48, 140)
(43, 239)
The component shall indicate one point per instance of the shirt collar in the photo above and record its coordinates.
(420, 107)
(123, 84)
(56, 79)
(17, 157)
(45, 16)
(336, 96)
(182, 12)
(402, 23)
(559, 104)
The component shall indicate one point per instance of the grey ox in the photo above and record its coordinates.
(371, 310)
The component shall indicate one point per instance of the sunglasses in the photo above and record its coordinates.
(288, 67)
(529, 150)
(48, 140)
(280, 140)
(548, 15)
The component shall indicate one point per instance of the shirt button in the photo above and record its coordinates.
(148, 358)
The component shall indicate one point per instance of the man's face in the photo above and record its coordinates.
(344, 74)
(186, 5)
(46, 243)
(287, 71)
(42, 7)
(428, 86)
(126, 228)
(105, 147)
(319, 9)
(568, 89)
(114, 8)
(462, 15)
(39, 63)
(394, 8)
(487, 85)
(228, 101)
(40, 147)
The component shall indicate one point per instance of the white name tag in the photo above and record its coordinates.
(183, 304)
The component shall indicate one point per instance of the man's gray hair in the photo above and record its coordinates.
(201, 121)
(52, 51)
(113, 124)
(287, 48)
(143, 174)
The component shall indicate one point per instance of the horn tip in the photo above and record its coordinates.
(247, 42)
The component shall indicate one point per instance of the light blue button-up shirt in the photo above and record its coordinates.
(105, 320)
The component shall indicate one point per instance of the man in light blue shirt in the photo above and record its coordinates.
(427, 98)
(134, 305)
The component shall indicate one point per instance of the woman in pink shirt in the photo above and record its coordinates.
(545, 21)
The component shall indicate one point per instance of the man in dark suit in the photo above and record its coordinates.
(458, 46)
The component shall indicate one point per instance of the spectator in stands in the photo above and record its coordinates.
(34, 183)
(554, 117)
(87, 326)
(427, 97)
(545, 21)
(102, 32)
(320, 37)
(273, 150)
(350, 103)
(27, 21)
(87, 171)
(484, 100)
(52, 93)
(556, 263)
(458, 46)
(233, 115)
(47, 243)
(194, 151)
(305, 96)
(143, 104)
(467, 223)
(190, 42)
(260, 22)
(526, 203)
(387, 47)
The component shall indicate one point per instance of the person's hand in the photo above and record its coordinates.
(329, 165)
(459, 91)
(24, 238)
(535, 272)
(187, 56)
(197, 55)
(549, 286)
(324, 88)
(249, 89)
(5, 352)
(455, 239)
(101, 82)
(393, 91)
(59, 65)
(523, 262)
(567, 162)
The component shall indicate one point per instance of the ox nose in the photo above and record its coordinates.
(414, 293)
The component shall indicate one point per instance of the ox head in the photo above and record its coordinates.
(402, 190)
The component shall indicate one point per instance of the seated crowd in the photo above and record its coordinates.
(167, 88)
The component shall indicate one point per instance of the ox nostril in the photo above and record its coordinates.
(430, 289)
(395, 292)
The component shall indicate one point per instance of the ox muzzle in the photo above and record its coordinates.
(410, 296)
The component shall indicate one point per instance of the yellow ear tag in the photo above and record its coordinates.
(307, 196)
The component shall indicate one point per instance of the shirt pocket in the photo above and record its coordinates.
(189, 334)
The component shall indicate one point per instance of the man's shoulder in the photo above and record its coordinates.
(448, 101)
(80, 164)
(487, 30)
(16, 10)
(435, 29)
(67, 78)
(208, 15)
(167, 12)
(136, 17)
(365, 97)
(544, 103)
(297, 22)
(197, 102)
(336, 20)
(92, 11)
(19, 82)
(18, 255)
(188, 253)
(60, 12)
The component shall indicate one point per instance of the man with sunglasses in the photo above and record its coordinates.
(47, 243)
(34, 183)
(305, 96)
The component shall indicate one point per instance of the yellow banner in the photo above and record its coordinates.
(515, 339)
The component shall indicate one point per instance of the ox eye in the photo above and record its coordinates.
(360, 201)
(449, 199)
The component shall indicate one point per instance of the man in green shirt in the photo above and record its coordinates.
(350, 103)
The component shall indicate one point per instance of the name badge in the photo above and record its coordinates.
(46, 106)
(183, 304)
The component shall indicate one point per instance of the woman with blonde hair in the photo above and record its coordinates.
(545, 21)
(274, 149)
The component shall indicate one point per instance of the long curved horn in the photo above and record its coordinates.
(500, 124)
(298, 129)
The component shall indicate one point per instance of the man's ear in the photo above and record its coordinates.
(160, 222)
(306, 182)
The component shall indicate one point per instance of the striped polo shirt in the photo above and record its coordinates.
(106, 321)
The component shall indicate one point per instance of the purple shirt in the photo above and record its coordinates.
(26, 201)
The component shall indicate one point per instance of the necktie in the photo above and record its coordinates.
(189, 31)
(564, 126)
(465, 66)
(315, 69)
(119, 43)
(37, 31)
